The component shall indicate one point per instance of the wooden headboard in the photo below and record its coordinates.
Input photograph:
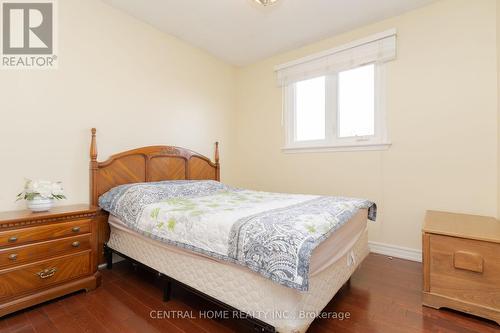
(146, 164)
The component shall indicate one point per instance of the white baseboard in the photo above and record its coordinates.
(116, 258)
(396, 251)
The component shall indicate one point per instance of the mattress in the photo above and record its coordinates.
(273, 234)
(327, 253)
(287, 309)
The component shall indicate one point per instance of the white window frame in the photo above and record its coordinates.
(378, 141)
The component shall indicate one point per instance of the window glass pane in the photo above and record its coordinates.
(356, 102)
(310, 109)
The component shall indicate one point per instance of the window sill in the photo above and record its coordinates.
(321, 149)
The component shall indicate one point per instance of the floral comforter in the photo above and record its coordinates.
(273, 234)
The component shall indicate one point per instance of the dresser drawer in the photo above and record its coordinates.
(24, 279)
(25, 253)
(43, 232)
(465, 269)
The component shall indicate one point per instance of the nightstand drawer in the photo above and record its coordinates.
(43, 232)
(27, 253)
(27, 278)
(465, 269)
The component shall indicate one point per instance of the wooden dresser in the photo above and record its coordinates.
(46, 255)
(461, 255)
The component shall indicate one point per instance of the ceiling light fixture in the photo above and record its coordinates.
(266, 2)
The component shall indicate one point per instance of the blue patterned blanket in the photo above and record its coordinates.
(273, 234)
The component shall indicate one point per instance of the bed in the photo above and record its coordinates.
(271, 304)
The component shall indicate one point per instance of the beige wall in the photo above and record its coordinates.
(137, 85)
(442, 117)
(142, 87)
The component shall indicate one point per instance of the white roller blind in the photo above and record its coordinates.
(377, 48)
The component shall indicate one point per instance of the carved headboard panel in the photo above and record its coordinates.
(148, 164)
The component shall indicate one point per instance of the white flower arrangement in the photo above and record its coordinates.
(41, 189)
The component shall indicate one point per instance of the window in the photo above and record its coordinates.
(341, 107)
(310, 109)
(337, 111)
(356, 102)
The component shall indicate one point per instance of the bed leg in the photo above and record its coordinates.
(167, 289)
(167, 286)
(108, 254)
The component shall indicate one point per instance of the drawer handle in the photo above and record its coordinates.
(75, 244)
(468, 261)
(76, 229)
(47, 273)
(13, 257)
(12, 239)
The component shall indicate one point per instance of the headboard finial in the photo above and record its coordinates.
(217, 152)
(93, 146)
(217, 165)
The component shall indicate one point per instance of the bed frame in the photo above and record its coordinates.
(150, 164)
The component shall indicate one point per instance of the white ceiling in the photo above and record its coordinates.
(241, 32)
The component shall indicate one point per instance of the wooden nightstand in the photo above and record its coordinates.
(46, 255)
(461, 255)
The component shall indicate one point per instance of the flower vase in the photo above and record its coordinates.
(39, 204)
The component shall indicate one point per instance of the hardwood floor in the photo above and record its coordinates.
(383, 296)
